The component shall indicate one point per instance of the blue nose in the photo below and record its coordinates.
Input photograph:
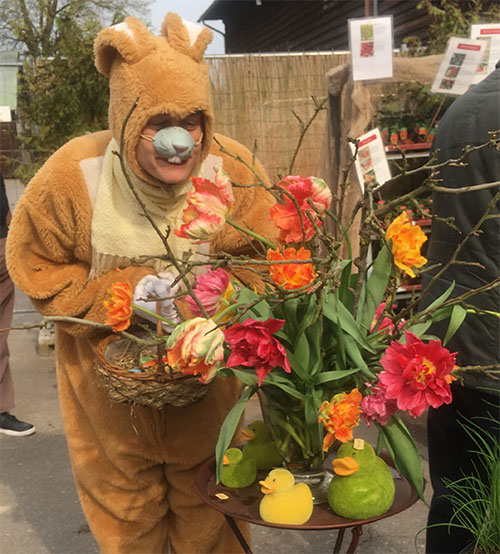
(174, 141)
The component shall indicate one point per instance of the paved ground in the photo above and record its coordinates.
(39, 508)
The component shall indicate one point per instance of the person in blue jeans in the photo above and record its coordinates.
(469, 121)
(9, 424)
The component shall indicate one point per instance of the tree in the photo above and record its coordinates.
(452, 19)
(61, 94)
(30, 26)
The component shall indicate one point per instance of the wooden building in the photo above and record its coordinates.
(307, 25)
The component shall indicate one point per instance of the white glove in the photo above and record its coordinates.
(157, 286)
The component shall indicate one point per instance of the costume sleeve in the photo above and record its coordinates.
(49, 246)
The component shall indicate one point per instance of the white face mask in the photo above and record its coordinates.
(173, 142)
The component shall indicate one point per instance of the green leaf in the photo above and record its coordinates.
(345, 281)
(245, 296)
(403, 451)
(284, 387)
(306, 313)
(440, 299)
(348, 324)
(247, 377)
(329, 376)
(229, 427)
(375, 287)
(299, 358)
(457, 316)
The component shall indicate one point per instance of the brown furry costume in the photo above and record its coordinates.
(133, 466)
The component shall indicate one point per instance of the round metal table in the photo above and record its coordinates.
(243, 504)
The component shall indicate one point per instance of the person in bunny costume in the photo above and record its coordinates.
(77, 229)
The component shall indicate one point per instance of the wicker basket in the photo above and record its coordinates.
(115, 359)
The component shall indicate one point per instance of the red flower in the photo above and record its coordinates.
(291, 276)
(376, 406)
(118, 306)
(252, 345)
(417, 375)
(386, 325)
(287, 218)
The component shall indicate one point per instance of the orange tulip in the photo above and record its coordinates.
(118, 306)
(407, 239)
(340, 416)
(291, 276)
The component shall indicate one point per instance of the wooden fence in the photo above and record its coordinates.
(255, 97)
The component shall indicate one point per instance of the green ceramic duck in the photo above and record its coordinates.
(362, 486)
(260, 447)
(238, 471)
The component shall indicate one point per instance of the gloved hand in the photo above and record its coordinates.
(157, 286)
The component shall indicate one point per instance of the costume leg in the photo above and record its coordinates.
(194, 526)
(6, 309)
(192, 434)
(114, 455)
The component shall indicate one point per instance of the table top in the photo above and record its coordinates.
(244, 503)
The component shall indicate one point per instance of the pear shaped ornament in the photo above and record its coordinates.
(362, 486)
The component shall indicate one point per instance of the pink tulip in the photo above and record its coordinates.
(208, 207)
(376, 407)
(210, 289)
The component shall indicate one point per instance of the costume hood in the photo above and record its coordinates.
(165, 74)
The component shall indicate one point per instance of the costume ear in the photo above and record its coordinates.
(186, 37)
(130, 39)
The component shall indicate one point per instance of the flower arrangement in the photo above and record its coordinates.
(323, 335)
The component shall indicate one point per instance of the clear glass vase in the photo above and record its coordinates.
(299, 443)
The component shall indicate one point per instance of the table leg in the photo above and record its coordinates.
(338, 542)
(356, 533)
(238, 535)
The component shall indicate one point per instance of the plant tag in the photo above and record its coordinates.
(359, 444)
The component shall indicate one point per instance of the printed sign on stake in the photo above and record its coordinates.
(370, 41)
(490, 33)
(459, 65)
(371, 162)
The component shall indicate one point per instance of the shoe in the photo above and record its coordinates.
(10, 425)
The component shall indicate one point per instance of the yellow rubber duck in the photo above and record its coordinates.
(260, 447)
(237, 471)
(284, 501)
(362, 486)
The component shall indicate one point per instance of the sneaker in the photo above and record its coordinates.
(10, 425)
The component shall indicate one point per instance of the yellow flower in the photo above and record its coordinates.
(407, 240)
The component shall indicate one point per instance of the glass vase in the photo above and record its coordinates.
(299, 443)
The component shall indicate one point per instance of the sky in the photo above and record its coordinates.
(190, 10)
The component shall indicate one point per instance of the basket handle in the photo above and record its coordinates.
(160, 366)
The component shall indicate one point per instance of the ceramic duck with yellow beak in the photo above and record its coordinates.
(237, 470)
(362, 486)
(260, 447)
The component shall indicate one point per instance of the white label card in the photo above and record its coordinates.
(370, 41)
(371, 162)
(459, 65)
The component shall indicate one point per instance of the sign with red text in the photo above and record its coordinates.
(371, 162)
(459, 65)
(370, 42)
(490, 33)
